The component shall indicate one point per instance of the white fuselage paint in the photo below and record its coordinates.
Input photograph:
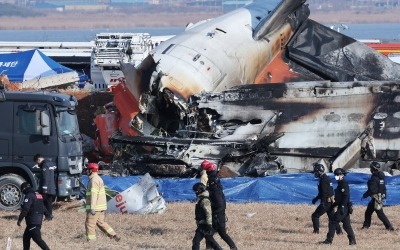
(220, 53)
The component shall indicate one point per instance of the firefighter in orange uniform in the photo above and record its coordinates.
(96, 205)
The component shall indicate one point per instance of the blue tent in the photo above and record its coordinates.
(30, 64)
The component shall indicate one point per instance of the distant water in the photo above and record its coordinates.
(77, 35)
(382, 31)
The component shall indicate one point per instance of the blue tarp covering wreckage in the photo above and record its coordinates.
(284, 189)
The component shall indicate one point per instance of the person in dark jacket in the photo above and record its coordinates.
(218, 207)
(377, 192)
(32, 210)
(203, 218)
(326, 195)
(344, 209)
(47, 185)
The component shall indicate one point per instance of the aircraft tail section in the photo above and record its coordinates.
(292, 11)
(336, 57)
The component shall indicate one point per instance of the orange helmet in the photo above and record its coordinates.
(94, 167)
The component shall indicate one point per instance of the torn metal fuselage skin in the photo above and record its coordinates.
(257, 90)
(317, 119)
(298, 122)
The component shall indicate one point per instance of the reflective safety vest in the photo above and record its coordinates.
(96, 194)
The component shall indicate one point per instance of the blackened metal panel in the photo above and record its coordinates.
(337, 57)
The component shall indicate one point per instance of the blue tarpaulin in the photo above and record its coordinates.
(285, 188)
(31, 64)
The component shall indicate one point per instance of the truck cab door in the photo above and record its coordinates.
(6, 131)
(33, 132)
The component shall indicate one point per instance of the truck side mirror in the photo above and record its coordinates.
(45, 122)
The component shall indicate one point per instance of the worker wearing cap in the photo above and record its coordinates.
(326, 195)
(203, 217)
(377, 192)
(47, 185)
(344, 209)
(32, 209)
(96, 205)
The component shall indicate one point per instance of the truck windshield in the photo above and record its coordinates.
(68, 123)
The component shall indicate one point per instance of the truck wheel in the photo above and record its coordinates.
(10, 192)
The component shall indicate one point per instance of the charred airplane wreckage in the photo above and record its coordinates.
(260, 90)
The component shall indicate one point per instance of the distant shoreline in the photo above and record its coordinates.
(88, 20)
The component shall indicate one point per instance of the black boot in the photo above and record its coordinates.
(327, 241)
(352, 240)
(365, 227)
(391, 229)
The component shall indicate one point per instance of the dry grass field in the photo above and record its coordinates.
(273, 226)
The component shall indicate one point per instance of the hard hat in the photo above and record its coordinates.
(208, 165)
(199, 187)
(319, 168)
(375, 165)
(94, 167)
(25, 185)
(339, 171)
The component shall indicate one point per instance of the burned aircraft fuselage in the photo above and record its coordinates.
(317, 119)
(297, 122)
(260, 86)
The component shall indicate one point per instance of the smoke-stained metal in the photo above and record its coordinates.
(296, 93)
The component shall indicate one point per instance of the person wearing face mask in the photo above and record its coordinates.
(344, 209)
(326, 195)
(377, 192)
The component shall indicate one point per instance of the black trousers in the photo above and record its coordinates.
(219, 225)
(381, 215)
(48, 202)
(33, 232)
(199, 235)
(323, 207)
(334, 223)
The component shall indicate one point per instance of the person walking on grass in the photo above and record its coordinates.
(96, 205)
(344, 209)
(32, 210)
(203, 216)
(218, 207)
(326, 195)
(377, 192)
